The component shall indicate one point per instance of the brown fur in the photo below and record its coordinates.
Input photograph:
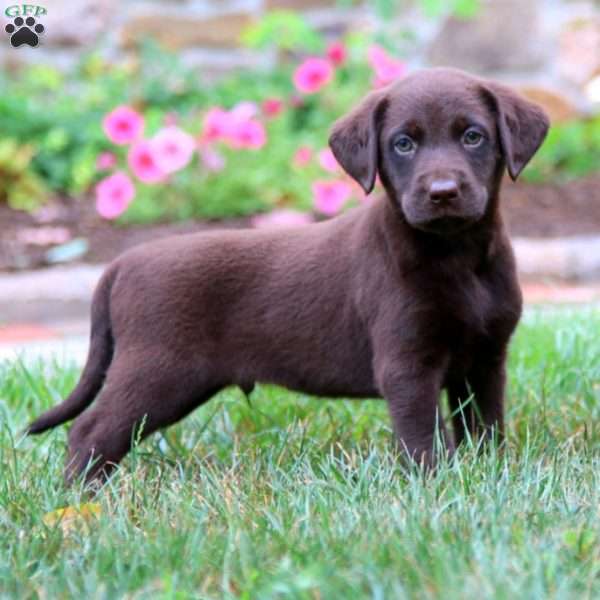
(403, 297)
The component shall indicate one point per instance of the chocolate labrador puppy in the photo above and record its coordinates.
(400, 298)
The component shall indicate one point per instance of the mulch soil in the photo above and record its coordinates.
(535, 211)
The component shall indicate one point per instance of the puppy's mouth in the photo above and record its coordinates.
(448, 218)
(446, 225)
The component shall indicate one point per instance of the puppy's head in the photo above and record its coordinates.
(440, 140)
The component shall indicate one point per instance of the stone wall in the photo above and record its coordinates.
(549, 47)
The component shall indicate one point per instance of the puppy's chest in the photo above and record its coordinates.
(465, 313)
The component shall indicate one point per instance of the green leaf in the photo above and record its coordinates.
(466, 9)
(433, 8)
(283, 29)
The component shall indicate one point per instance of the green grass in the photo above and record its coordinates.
(293, 497)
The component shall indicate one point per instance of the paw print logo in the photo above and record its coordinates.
(24, 31)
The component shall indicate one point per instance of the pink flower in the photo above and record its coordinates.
(237, 127)
(105, 161)
(302, 157)
(142, 161)
(216, 124)
(330, 196)
(312, 75)
(327, 160)
(245, 131)
(243, 111)
(123, 125)
(248, 134)
(211, 159)
(172, 149)
(281, 218)
(271, 107)
(386, 68)
(337, 53)
(113, 195)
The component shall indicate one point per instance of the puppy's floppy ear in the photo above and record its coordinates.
(354, 139)
(522, 126)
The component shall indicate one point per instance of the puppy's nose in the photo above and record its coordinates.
(442, 190)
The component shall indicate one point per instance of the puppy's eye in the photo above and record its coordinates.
(472, 138)
(404, 145)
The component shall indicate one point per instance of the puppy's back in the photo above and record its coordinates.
(259, 305)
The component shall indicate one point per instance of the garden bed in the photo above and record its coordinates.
(150, 143)
(536, 211)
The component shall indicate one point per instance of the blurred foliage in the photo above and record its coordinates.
(19, 184)
(463, 9)
(387, 9)
(57, 118)
(571, 150)
(283, 29)
(255, 180)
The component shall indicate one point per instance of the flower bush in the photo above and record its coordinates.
(252, 143)
(271, 149)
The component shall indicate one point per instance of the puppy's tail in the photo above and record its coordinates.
(99, 358)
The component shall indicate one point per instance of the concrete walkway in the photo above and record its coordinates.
(64, 342)
(45, 313)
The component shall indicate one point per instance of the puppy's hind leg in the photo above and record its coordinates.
(138, 399)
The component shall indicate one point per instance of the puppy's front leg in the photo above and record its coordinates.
(412, 393)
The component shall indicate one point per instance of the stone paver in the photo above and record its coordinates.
(64, 341)
(48, 295)
(564, 259)
(71, 350)
(25, 332)
(553, 293)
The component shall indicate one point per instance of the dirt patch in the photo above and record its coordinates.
(22, 243)
(547, 211)
(538, 211)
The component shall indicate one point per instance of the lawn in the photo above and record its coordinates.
(286, 496)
